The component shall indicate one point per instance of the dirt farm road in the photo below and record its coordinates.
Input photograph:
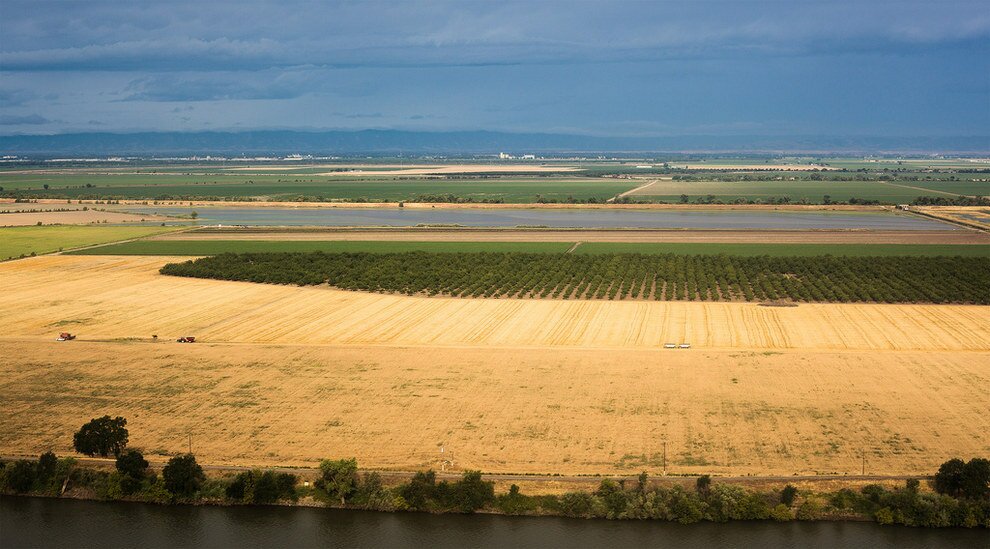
(509, 477)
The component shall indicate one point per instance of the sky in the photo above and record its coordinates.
(795, 67)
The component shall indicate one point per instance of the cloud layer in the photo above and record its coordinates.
(588, 67)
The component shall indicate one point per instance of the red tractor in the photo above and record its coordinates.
(186, 339)
(65, 336)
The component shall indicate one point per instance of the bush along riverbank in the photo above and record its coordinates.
(338, 484)
(958, 495)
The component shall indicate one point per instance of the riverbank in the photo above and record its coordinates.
(339, 485)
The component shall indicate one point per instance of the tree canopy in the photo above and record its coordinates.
(102, 436)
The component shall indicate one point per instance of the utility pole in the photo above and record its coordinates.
(190, 443)
(665, 458)
(863, 452)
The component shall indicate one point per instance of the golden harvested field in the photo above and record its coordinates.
(113, 297)
(287, 375)
(75, 217)
(507, 410)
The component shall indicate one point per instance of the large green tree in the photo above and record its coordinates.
(102, 437)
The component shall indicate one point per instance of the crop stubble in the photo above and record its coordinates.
(288, 375)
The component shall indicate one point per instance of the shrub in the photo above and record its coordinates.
(787, 495)
(132, 464)
(582, 504)
(20, 476)
(471, 493)
(420, 491)
(781, 513)
(47, 464)
(338, 478)
(183, 476)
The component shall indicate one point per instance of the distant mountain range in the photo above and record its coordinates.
(388, 142)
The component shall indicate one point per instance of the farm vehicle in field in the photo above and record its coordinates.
(65, 336)
(186, 339)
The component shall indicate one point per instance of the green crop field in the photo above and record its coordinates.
(784, 250)
(214, 247)
(17, 241)
(587, 182)
(241, 186)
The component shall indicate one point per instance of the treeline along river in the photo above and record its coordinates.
(47, 522)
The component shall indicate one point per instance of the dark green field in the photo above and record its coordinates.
(214, 247)
(239, 186)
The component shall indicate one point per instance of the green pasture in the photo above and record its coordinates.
(17, 241)
(242, 185)
(214, 247)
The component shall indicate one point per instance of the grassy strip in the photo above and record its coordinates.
(18, 241)
(785, 250)
(214, 247)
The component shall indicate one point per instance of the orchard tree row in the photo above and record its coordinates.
(616, 276)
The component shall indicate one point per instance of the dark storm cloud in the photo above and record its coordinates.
(26, 120)
(590, 67)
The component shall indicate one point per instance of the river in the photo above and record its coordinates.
(42, 522)
(560, 218)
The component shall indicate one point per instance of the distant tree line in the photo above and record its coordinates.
(949, 201)
(894, 279)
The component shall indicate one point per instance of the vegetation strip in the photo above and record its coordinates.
(214, 247)
(784, 250)
(616, 276)
(960, 496)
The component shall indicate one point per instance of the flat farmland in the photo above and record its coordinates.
(124, 297)
(676, 236)
(15, 241)
(287, 375)
(507, 409)
(288, 186)
(811, 191)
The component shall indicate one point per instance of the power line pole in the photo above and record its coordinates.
(863, 452)
(190, 443)
(665, 458)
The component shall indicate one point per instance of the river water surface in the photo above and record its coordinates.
(42, 522)
(592, 219)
